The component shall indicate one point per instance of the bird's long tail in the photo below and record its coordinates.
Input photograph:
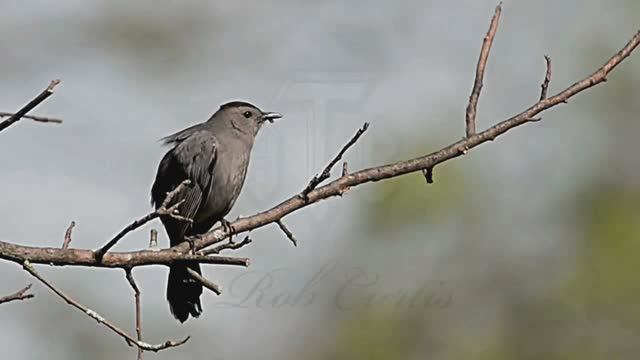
(183, 292)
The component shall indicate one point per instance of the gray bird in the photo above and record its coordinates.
(214, 155)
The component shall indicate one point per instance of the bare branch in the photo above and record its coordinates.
(134, 225)
(32, 104)
(67, 235)
(100, 319)
(229, 245)
(77, 257)
(287, 232)
(84, 257)
(545, 84)
(205, 282)
(482, 63)
(136, 295)
(153, 238)
(338, 186)
(34, 118)
(18, 295)
(163, 210)
(318, 179)
(547, 78)
(215, 259)
(428, 174)
(171, 194)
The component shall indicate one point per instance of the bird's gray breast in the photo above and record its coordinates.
(227, 178)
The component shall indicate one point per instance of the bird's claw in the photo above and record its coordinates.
(192, 244)
(228, 228)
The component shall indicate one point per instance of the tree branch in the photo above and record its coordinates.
(428, 174)
(545, 84)
(32, 104)
(547, 78)
(67, 235)
(482, 64)
(43, 119)
(18, 295)
(204, 281)
(338, 186)
(18, 253)
(84, 257)
(163, 210)
(153, 238)
(229, 245)
(100, 319)
(287, 232)
(136, 296)
(318, 179)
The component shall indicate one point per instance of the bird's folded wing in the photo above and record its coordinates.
(192, 158)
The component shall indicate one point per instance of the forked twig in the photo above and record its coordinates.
(99, 318)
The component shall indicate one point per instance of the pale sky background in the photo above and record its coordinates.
(134, 72)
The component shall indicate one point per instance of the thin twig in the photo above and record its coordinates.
(136, 294)
(205, 282)
(482, 63)
(67, 235)
(428, 174)
(153, 238)
(134, 225)
(100, 319)
(287, 232)
(18, 295)
(547, 78)
(229, 245)
(318, 179)
(345, 173)
(34, 118)
(171, 194)
(545, 84)
(32, 104)
(214, 259)
(163, 210)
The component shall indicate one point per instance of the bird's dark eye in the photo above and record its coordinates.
(247, 114)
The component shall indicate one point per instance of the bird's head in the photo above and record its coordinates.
(243, 117)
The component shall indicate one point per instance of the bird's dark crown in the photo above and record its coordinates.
(233, 104)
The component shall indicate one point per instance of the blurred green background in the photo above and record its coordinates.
(526, 248)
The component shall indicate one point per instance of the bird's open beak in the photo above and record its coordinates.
(270, 116)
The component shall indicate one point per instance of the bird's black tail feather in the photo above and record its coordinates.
(183, 292)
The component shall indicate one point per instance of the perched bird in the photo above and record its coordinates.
(214, 156)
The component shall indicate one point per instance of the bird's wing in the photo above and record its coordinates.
(192, 158)
(181, 135)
